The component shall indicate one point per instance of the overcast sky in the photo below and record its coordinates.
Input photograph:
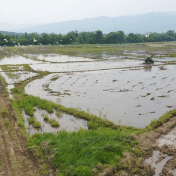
(51, 11)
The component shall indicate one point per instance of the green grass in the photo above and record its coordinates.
(54, 123)
(12, 68)
(81, 151)
(12, 75)
(96, 51)
(34, 123)
(31, 120)
(159, 122)
(37, 124)
(46, 118)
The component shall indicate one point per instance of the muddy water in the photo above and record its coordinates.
(169, 139)
(16, 59)
(19, 76)
(155, 162)
(130, 96)
(67, 122)
(164, 163)
(59, 58)
(97, 65)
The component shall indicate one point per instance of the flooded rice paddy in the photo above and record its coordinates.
(131, 96)
(58, 58)
(16, 59)
(17, 76)
(87, 66)
(125, 91)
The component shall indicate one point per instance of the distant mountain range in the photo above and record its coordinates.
(152, 22)
(11, 33)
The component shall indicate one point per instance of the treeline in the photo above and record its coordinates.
(74, 37)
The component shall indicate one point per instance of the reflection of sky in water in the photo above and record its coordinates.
(21, 75)
(83, 66)
(67, 122)
(16, 59)
(59, 58)
(118, 94)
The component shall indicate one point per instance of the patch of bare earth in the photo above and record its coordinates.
(15, 158)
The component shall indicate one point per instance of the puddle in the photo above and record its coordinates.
(169, 139)
(67, 122)
(16, 59)
(15, 77)
(9, 87)
(97, 65)
(158, 161)
(132, 97)
(59, 58)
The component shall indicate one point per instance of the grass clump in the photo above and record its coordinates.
(59, 114)
(31, 120)
(12, 75)
(164, 118)
(46, 118)
(79, 152)
(54, 123)
(37, 124)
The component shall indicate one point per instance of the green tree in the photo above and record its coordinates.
(120, 37)
(98, 36)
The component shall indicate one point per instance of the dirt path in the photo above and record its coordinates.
(15, 158)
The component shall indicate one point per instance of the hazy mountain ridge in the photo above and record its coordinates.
(152, 22)
(11, 33)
